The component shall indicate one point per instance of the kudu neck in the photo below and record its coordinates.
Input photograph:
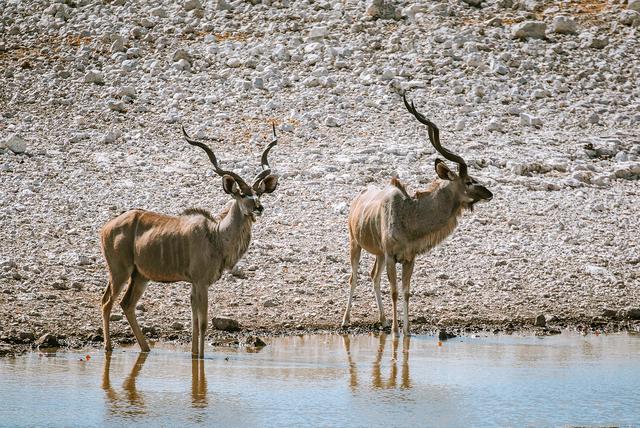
(235, 221)
(436, 210)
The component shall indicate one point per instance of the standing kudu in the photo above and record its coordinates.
(396, 227)
(141, 246)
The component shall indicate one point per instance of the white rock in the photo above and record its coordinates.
(530, 120)
(529, 30)
(192, 4)
(112, 136)
(601, 272)
(341, 208)
(95, 77)
(494, 125)
(564, 25)
(233, 62)
(318, 33)
(634, 5)
(498, 67)
(332, 122)
(16, 144)
(593, 118)
(183, 65)
(460, 125)
(126, 91)
(160, 12)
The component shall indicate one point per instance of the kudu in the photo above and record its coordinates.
(141, 246)
(396, 227)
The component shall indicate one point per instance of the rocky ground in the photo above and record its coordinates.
(540, 97)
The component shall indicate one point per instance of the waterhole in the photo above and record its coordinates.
(333, 380)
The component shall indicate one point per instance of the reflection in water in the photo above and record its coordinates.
(564, 380)
(198, 383)
(376, 374)
(134, 404)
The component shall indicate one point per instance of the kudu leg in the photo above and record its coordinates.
(199, 318)
(355, 251)
(407, 271)
(111, 293)
(137, 285)
(376, 274)
(393, 278)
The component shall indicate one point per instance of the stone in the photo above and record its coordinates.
(540, 321)
(95, 77)
(332, 122)
(160, 12)
(382, 9)
(84, 260)
(223, 5)
(634, 5)
(180, 54)
(254, 342)
(112, 136)
(60, 285)
(192, 4)
(177, 326)
(564, 25)
(529, 30)
(318, 33)
(47, 340)
(475, 3)
(530, 120)
(494, 125)
(225, 324)
(16, 144)
(182, 65)
(592, 41)
(115, 317)
(445, 335)
(117, 106)
(270, 303)
(593, 118)
(633, 313)
(499, 68)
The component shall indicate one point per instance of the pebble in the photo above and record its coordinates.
(225, 324)
(112, 136)
(16, 144)
(177, 326)
(117, 106)
(530, 120)
(540, 321)
(192, 4)
(95, 77)
(564, 25)
(47, 340)
(529, 30)
(270, 303)
(634, 5)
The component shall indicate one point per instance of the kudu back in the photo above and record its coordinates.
(396, 227)
(141, 246)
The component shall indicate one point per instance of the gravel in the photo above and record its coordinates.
(540, 98)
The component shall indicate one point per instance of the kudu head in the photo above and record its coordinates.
(247, 197)
(467, 187)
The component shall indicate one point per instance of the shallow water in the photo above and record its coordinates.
(335, 381)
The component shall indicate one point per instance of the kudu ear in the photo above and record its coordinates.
(443, 171)
(229, 185)
(267, 184)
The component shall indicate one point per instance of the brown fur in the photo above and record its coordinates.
(396, 228)
(141, 246)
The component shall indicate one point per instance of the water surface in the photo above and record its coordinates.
(355, 381)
